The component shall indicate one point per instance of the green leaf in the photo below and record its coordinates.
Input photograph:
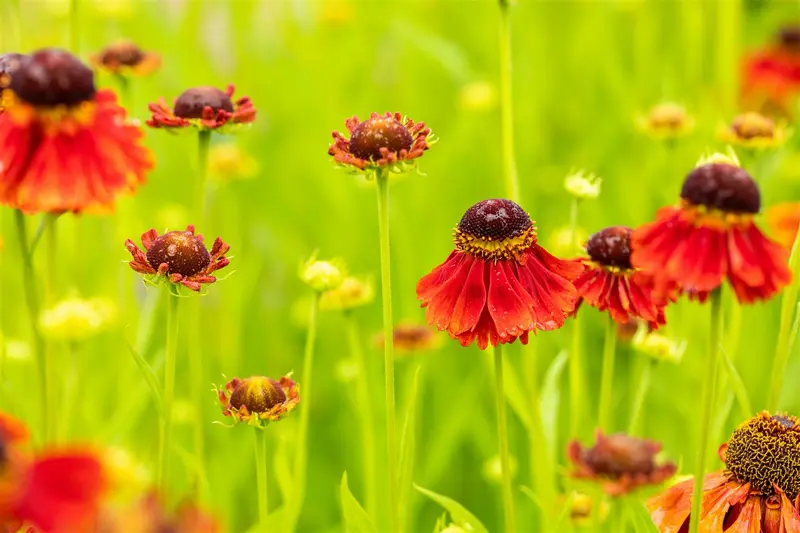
(149, 376)
(405, 470)
(461, 517)
(738, 385)
(550, 399)
(356, 519)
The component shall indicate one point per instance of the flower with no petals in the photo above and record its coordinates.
(258, 400)
(666, 121)
(498, 284)
(125, 58)
(351, 293)
(758, 491)
(619, 463)
(65, 146)
(583, 186)
(388, 141)
(754, 130)
(178, 257)
(710, 236)
(204, 108)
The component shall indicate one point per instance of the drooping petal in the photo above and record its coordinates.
(471, 301)
(749, 520)
(511, 317)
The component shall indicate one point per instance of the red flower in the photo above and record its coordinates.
(498, 284)
(611, 283)
(758, 490)
(55, 491)
(63, 145)
(771, 76)
(711, 236)
(125, 58)
(150, 514)
(205, 108)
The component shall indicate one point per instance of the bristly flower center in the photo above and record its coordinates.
(183, 253)
(192, 102)
(495, 229)
(620, 454)
(611, 247)
(723, 187)
(753, 126)
(124, 53)
(258, 395)
(765, 451)
(52, 77)
(370, 136)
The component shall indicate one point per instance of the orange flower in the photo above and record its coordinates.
(758, 490)
(711, 236)
(771, 76)
(498, 284)
(258, 400)
(784, 219)
(178, 257)
(621, 464)
(63, 145)
(204, 108)
(124, 58)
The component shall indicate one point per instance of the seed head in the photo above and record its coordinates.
(370, 136)
(123, 53)
(192, 102)
(52, 77)
(257, 394)
(611, 247)
(753, 125)
(728, 188)
(495, 220)
(182, 252)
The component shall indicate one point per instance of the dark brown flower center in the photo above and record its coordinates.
(258, 394)
(9, 63)
(124, 53)
(620, 454)
(611, 247)
(722, 186)
(380, 132)
(764, 451)
(790, 37)
(495, 220)
(191, 102)
(753, 126)
(183, 253)
(52, 77)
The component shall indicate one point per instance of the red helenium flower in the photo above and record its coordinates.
(711, 236)
(498, 284)
(610, 283)
(63, 145)
(771, 76)
(204, 108)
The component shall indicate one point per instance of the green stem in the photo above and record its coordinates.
(74, 27)
(575, 362)
(728, 23)
(502, 438)
(607, 376)
(51, 283)
(260, 447)
(32, 301)
(367, 417)
(707, 405)
(782, 347)
(541, 463)
(642, 385)
(203, 142)
(301, 459)
(73, 374)
(506, 104)
(382, 179)
(164, 449)
(125, 93)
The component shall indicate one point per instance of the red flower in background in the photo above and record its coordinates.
(711, 236)
(63, 145)
(498, 284)
(610, 283)
(204, 108)
(55, 491)
(771, 76)
(784, 219)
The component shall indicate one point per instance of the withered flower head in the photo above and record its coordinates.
(204, 108)
(754, 130)
(125, 58)
(411, 338)
(382, 141)
(666, 121)
(620, 463)
(258, 400)
(178, 257)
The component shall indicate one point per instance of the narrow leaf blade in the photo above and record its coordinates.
(460, 515)
(356, 519)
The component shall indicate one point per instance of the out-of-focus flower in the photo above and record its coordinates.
(227, 162)
(711, 235)
(322, 276)
(564, 242)
(758, 491)
(382, 141)
(203, 108)
(754, 130)
(658, 346)
(478, 96)
(178, 257)
(619, 463)
(53, 491)
(258, 400)
(8, 64)
(582, 508)
(666, 121)
(75, 319)
(65, 146)
(610, 283)
(353, 292)
(783, 219)
(411, 338)
(498, 284)
(127, 475)
(149, 515)
(125, 58)
(771, 76)
(582, 186)
(493, 469)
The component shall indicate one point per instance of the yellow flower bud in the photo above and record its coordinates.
(658, 346)
(353, 292)
(582, 186)
(227, 162)
(322, 275)
(75, 319)
(478, 96)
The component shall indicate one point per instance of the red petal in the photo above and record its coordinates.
(471, 302)
(511, 316)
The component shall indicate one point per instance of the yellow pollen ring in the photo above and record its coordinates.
(493, 249)
(55, 119)
(701, 215)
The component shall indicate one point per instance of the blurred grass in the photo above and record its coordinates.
(582, 72)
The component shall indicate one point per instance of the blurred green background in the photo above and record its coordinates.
(583, 72)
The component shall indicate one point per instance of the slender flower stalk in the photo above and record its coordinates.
(382, 180)
(203, 141)
(642, 381)
(165, 436)
(260, 442)
(607, 376)
(540, 458)
(502, 438)
(51, 282)
(507, 104)
(74, 26)
(575, 357)
(707, 405)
